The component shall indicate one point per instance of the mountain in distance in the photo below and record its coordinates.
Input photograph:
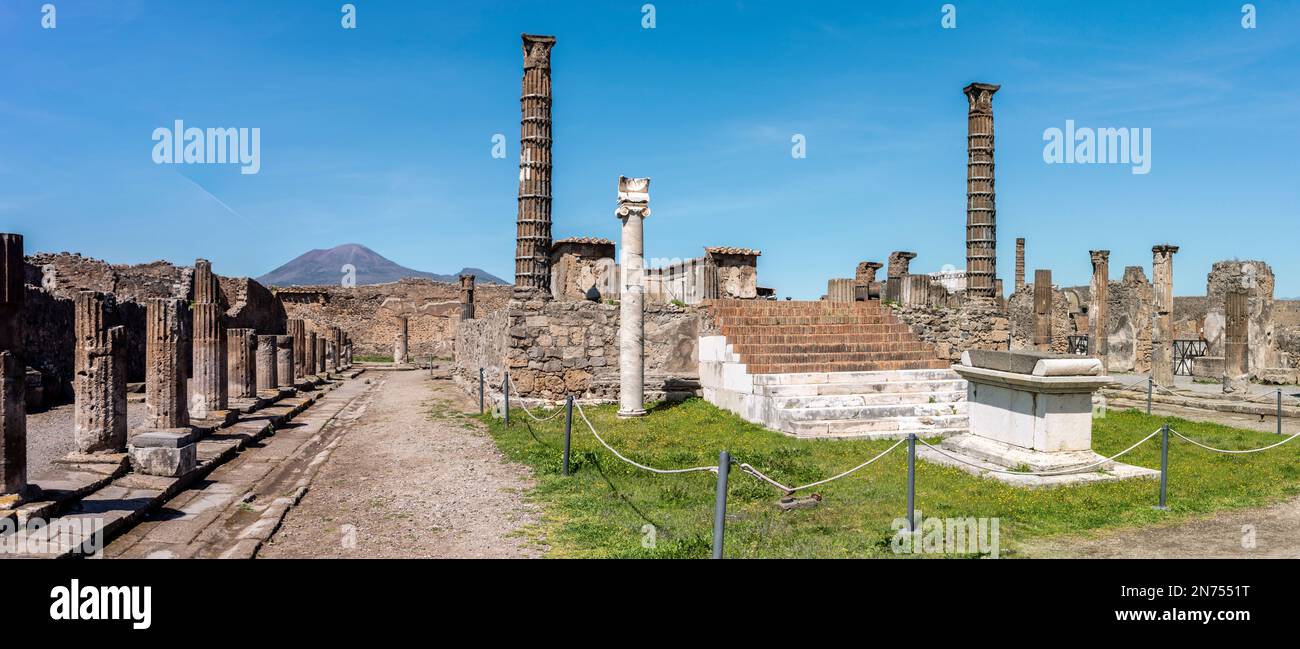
(323, 267)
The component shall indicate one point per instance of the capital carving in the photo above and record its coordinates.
(980, 96)
(537, 51)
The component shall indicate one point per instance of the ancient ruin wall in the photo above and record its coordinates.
(953, 330)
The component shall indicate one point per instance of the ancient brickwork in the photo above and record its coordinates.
(952, 330)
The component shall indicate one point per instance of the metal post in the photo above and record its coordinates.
(1279, 411)
(720, 505)
(505, 396)
(911, 483)
(1150, 382)
(1164, 466)
(480, 390)
(568, 430)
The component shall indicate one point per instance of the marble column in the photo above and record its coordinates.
(309, 354)
(1162, 329)
(284, 361)
(99, 382)
(210, 390)
(266, 364)
(298, 330)
(1236, 348)
(466, 297)
(241, 348)
(164, 382)
(633, 208)
(839, 289)
(1043, 310)
(13, 373)
(399, 341)
(1099, 292)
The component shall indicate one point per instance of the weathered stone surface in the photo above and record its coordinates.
(211, 392)
(467, 296)
(321, 355)
(1043, 310)
(1020, 362)
(164, 461)
(399, 341)
(99, 414)
(309, 354)
(297, 329)
(533, 233)
(284, 361)
(981, 211)
(267, 365)
(1099, 292)
(165, 393)
(1236, 356)
(1162, 332)
(13, 430)
(1020, 263)
(840, 290)
(242, 363)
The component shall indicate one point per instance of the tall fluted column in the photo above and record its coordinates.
(241, 349)
(13, 379)
(1098, 343)
(1043, 310)
(284, 361)
(981, 210)
(633, 208)
(266, 364)
(399, 340)
(466, 297)
(533, 235)
(210, 390)
(1020, 263)
(298, 330)
(309, 354)
(164, 382)
(1162, 329)
(99, 382)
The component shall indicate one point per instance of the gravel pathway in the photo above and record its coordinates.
(49, 434)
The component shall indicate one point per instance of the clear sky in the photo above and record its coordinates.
(382, 135)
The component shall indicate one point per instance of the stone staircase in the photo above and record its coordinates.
(828, 369)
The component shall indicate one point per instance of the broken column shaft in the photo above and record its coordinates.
(13, 373)
(241, 350)
(309, 354)
(1236, 336)
(1162, 343)
(1020, 263)
(1098, 344)
(839, 289)
(99, 382)
(298, 331)
(399, 340)
(633, 208)
(266, 364)
(210, 390)
(1043, 310)
(466, 297)
(164, 389)
(321, 354)
(284, 361)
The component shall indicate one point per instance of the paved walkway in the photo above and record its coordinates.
(412, 477)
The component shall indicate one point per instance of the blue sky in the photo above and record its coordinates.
(382, 135)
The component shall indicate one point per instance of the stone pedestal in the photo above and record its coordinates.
(266, 365)
(168, 452)
(99, 383)
(242, 363)
(164, 383)
(399, 341)
(284, 361)
(633, 208)
(1031, 411)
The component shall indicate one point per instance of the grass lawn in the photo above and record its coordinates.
(371, 358)
(602, 510)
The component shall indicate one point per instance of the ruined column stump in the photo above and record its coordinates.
(241, 347)
(1162, 330)
(99, 382)
(298, 331)
(466, 297)
(840, 289)
(284, 361)
(1043, 310)
(267, 381)
(165, 445)
(210, 397)
(309, 355)
(13, 374)
(1236, 349)
(399, 341)
(321, 356)
(1098, 340)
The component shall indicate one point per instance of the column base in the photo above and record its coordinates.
(166, 452)
(629, 414)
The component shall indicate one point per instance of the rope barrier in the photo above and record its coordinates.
(638, 465)
(1222, 450)
(528, 412)
(789, 490)
(1044, 473)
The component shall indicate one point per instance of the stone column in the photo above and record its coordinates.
(533, 234)
(1043, 310)
(284, 361)
(266, 364)
(331, 358)
(164, 381)
(99, 383)
(241, 366)
(839, 290)
(210, 390)
(1236, 336)
(865, 279)
(1162, 329)
(981, 210)
(298, 330)
(336, 355)
(309, 354)
(466, 297)
(399, 341)
(13, 373)
(1099, 291)
(633, 208)
(320, 355)
(1020, 263)
(900, 262)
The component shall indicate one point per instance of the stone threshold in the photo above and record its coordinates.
(119, 497)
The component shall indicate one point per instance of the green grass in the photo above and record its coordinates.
(371, 358)
(600, 511)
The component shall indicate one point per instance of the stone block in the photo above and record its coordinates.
(167, 453)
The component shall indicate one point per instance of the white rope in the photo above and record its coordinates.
(1126, 386)
(759, 474)
(1045, 473)
(632, 462)
(525, 407)
(1222, 450)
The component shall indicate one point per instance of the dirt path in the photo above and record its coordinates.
(412, 478)
(1276, 534)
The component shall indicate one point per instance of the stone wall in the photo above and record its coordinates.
(558, 347)
(1020, 313)
(953, 330)
(1256, 279)
(367, 312)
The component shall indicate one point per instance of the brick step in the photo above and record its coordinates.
(750, 350)
(722, 313)
(876, 412)
(870, 399)
(824, 319)
(818, 339)
(794, 330)
(858, 378)
(891, 429)
(833, 389)
(868, 366)
(847, 357)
